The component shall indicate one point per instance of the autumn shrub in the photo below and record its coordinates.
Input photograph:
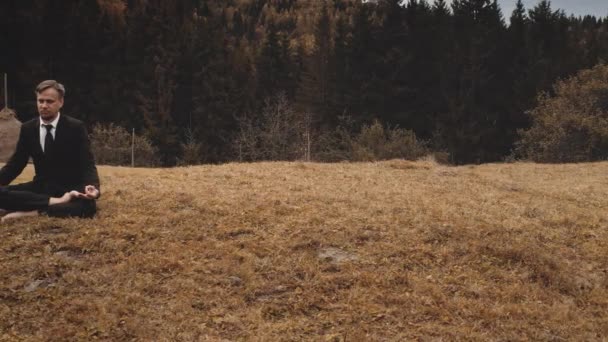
(111, 145)
(336, 144)
(280, 132)
(377, 142)
(572, 125)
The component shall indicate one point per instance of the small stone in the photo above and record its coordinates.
(336, 255)
(38, 283)
(235, 281)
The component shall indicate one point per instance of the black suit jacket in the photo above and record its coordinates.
(70, 166)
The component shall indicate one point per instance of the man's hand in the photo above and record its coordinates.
(90, 192)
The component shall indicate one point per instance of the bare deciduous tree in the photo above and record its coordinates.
(277, 133)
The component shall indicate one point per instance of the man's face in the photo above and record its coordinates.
(49, 104)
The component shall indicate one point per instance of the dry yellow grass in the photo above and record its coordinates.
(394, 250)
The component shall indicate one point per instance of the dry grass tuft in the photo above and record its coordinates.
(395, 250)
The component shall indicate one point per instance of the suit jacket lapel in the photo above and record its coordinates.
(36, 138)
(60, 128)
(60, 132)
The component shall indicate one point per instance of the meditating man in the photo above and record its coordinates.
(66, 181)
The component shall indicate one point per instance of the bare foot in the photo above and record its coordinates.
(18, 214)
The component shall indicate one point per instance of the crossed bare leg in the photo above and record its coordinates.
(67, 197)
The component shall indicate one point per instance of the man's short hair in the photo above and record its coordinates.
(44, 85)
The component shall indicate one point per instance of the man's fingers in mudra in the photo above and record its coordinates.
(91, 192)
(77, 194)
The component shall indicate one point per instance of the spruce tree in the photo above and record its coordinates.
(364, 64)
(156, 85)
(271, 68)
(522, 90)
(220, 90)
(471, 130)
(316, 91)
(342, 101)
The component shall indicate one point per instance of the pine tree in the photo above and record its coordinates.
(364, 64)
(440, 58)
(57, 23)
(522, 90)
(238, 25)
(471, 131)
(156, 86)
(86, 64)
(316, 91)
(393, 57)
(546, 44)
(271, 67)
(22, 21)
(420, 81)
(220, 89)
(343, 68)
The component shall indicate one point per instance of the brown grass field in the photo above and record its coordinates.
(386, 251)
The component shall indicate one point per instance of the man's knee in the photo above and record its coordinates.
(89, 209)
(77, 208)
(3, 193)
(28, 186)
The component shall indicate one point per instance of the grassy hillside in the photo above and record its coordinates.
(338, 252)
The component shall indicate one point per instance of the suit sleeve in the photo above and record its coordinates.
(87, 161)
(17, 162)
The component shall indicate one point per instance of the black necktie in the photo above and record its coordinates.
(48, 140)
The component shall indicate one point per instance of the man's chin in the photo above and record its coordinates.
(47, 117)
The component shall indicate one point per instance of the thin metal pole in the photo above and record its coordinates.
(5, 91)
(133, 149)
(308, 142)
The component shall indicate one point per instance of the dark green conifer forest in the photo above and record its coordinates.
(462, 76)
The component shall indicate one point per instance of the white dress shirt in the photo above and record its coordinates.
(43, 130)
